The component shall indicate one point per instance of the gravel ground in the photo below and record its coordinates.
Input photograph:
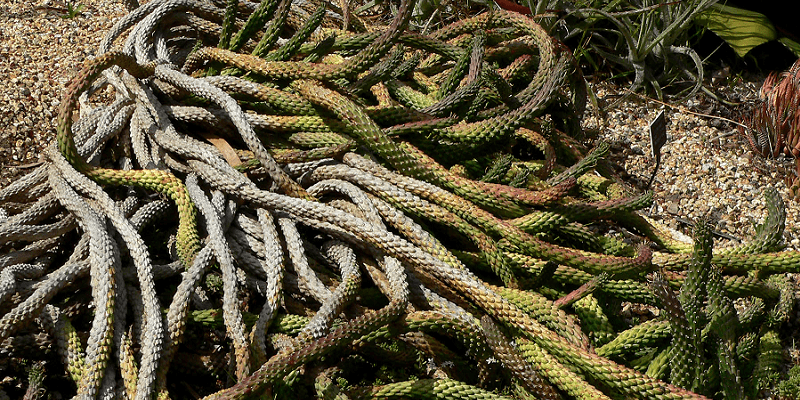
(39, 52)
(706, 167)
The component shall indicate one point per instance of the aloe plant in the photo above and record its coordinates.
(647, 37)
(774, 125)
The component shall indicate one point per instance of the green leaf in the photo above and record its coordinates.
(790, 44)
(741, 29)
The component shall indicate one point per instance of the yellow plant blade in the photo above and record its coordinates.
(741, 29)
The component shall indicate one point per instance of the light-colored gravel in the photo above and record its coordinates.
(39, 52)
(707, 167)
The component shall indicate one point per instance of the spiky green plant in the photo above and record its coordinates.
(73, 10)
(790, 388)
(36, 376)
(646, 37)
(713, 350)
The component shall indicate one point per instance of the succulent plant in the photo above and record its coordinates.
(774, 125)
